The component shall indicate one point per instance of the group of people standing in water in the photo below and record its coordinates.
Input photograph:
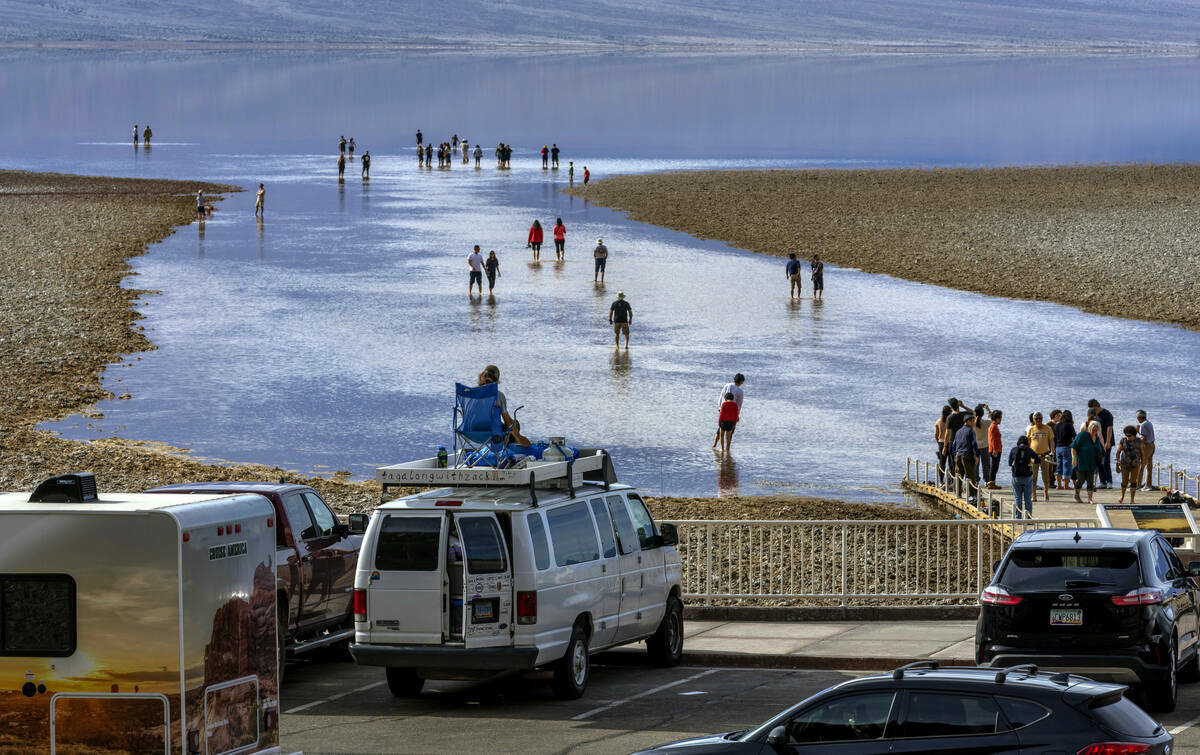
(146, 135)
(345, 146)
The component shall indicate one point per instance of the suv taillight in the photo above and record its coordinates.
(1142, 596)
(360, 605)
(994, 595)
(1114, 748)
(527, 606)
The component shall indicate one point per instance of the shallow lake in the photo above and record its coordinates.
(330, 336)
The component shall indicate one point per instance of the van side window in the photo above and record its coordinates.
(573, 535)
(604, 523)
(626, 536)
(409, 543)
(325, 520)
(37, 615)
(537, 533)
(483, 543)
(642, 521)
(298, 517)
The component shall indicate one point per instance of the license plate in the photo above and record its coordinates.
(1066, 617)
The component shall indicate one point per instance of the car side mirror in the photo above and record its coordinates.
(778, 736)
(358, 523)
(1194, 568)
(669, 534)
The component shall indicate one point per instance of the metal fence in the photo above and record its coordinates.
(813, 562)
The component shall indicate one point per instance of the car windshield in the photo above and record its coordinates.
(1050, 569)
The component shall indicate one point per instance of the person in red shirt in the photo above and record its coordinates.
(587, 176)
(726, 421)
(560, 240)
(545, 157)
(995, 446)
(535, 240)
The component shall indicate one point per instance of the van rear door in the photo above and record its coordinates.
(407, 591)
(487, 581)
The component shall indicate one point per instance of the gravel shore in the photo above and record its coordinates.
(1113, 240)
(64, 245)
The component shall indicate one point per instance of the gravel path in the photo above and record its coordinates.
(1113, 240)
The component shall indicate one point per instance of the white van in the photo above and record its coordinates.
(511, 570)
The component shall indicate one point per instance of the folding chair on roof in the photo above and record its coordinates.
(478, 426)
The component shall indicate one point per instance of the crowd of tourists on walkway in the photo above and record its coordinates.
(971, 447)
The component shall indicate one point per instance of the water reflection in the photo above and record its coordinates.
(259, 223)
(727, 476)
(200, 237)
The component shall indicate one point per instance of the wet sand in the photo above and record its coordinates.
(64, 245)
(1112, 240)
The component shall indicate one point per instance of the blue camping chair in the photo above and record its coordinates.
(478, 426)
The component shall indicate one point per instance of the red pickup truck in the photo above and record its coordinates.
(315, 560)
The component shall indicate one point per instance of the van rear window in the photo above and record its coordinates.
(483, 544)
(408, 543)
(1036, 568)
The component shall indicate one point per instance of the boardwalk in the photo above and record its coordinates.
(921, 477)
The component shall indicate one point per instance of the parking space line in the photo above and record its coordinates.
(1185, 725)
(612, 705)
(330, 699)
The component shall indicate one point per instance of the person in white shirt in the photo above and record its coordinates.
(736, 389)
(475, 262)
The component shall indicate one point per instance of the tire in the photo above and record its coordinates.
(404, 682)
(666, 645)
(572, 672)
(1161, 696)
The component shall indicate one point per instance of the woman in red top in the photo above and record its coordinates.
(535, 240)
(587, 176)
(995, 446)
(560, 239)
(726, 421)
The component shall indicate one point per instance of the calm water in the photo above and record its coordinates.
(329, 337)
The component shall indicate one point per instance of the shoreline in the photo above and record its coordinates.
(67, 320)
(1109, 240)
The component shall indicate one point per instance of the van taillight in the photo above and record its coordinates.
(1142, 596)
(360, 605)
(527, 606)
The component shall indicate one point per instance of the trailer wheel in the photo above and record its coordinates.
(572, 672)
(404, 682)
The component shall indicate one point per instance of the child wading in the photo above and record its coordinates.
(727, 421)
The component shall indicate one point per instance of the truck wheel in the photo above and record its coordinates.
(404, 682)
(1160, 697)
(571, 673)
(666, 646)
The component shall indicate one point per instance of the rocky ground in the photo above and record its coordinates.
(1114, 240)
(65, 319)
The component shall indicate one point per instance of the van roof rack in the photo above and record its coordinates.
(593, 466)
(898, 674)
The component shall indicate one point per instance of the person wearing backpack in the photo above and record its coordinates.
(1022, 461)
(1129, 462)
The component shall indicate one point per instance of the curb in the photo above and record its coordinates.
(777, 661)
(831, 613)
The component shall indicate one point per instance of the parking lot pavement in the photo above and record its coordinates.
(333, 706)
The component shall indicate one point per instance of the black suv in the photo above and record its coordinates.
(1110, 604)
(920, 708)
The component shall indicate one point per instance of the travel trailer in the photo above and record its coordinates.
(137, 622)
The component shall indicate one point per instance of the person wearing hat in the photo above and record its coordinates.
(601, 255)
(620, 315)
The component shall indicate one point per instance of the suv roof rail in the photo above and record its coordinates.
(1029, 668)
(898, 674)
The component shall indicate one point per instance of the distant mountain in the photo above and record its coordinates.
(675, 23)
